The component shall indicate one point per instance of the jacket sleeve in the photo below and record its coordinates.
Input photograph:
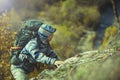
(51, 53)
(37, 54)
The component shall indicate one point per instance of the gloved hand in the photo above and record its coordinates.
(58, 63)
(23, 57)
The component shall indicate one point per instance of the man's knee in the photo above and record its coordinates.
(18, 73)
(20, 76)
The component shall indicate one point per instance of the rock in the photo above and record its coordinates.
(79, 67)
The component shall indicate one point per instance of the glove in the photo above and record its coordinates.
(23, 57)
(58, 63)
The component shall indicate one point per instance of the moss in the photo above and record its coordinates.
(90, 68)
(110, 32)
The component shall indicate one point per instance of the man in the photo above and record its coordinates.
(36, 50)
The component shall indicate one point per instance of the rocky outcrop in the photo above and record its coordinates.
(90, 65)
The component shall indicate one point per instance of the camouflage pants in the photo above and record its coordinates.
(18, 73)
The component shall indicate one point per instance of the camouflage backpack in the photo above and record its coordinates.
(26, 33)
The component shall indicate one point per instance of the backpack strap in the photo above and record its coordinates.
(37, 65)
(38, 41)
(14, 48)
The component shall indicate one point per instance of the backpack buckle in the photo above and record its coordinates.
(15, 48)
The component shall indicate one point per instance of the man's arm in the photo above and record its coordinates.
(37, 54)
(51, 52)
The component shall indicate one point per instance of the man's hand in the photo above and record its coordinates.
(58, 63)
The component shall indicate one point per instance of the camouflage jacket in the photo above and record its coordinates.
(38, 52)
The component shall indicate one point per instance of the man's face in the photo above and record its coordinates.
(50, 37)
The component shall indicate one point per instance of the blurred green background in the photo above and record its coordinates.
(80, 24)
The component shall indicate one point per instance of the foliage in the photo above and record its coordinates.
(6, 41)
(31, 7)
(110, 32)
(69, 14)
(86, 42)
(9, 24)
(63, 42)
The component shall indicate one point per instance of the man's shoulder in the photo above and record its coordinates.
(32, 44)
(33, 41)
